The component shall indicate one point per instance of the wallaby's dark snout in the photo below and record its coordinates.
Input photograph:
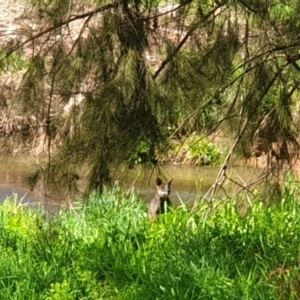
(160, 202)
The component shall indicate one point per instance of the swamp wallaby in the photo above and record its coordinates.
(161, 201)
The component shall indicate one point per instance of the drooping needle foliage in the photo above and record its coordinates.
(96, 80)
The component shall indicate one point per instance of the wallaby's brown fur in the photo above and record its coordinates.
(161, 201)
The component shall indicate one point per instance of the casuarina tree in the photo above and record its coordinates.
(94, 82)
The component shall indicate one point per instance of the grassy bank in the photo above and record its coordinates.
(107, 249)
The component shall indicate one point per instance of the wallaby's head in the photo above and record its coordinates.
(163, 189)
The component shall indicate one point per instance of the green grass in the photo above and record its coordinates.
(108, 249)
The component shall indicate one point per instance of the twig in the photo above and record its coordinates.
(171, 56)
(60, 24)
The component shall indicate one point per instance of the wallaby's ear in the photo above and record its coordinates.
(169, 182)
(158, 181)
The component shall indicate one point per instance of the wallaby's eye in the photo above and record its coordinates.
(158, 181)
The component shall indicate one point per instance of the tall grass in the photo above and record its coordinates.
(108, 249)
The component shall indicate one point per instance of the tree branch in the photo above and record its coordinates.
(71, 19)
(182, 42)
(165, 13)
(222, 174)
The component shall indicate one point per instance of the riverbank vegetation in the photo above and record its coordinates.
(194, 150)
(108, 249)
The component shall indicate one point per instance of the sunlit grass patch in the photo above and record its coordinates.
(107, 248)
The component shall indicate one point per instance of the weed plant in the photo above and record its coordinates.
(109, 249)
(196, 150)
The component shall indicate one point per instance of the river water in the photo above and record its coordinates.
(191, 183)
(188, 185)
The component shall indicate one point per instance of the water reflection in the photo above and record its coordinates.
(13, 183)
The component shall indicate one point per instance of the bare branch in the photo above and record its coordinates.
(183, 41)
(71, 19)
